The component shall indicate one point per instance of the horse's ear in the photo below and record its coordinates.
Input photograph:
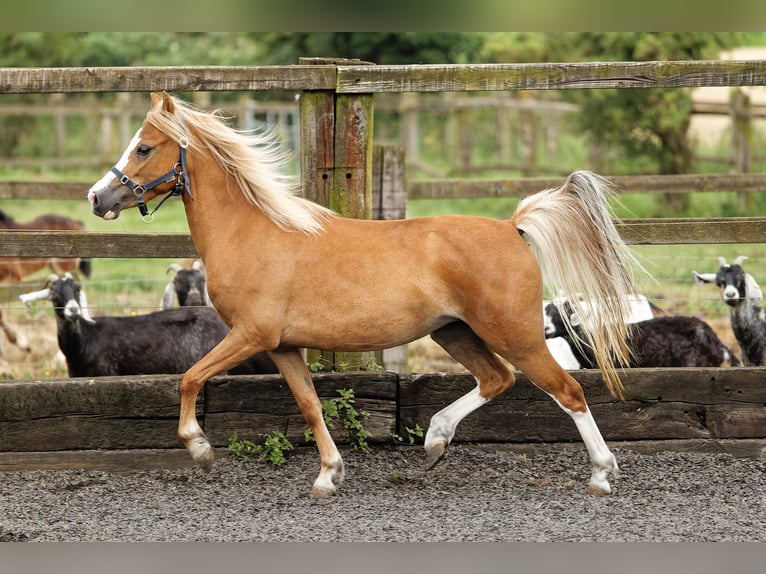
(167, 103)
(156, 99)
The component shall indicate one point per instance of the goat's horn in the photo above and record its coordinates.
(740, 259)
(198, 265)
(722, 261)
(175, 267)
(50, 280)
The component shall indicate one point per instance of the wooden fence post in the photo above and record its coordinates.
(741, 139)
(336, 171)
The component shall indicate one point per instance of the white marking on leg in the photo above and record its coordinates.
(195, 441)
(444, 423)
(602, 460)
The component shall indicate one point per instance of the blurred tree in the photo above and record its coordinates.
(647, 126)
(377, 47)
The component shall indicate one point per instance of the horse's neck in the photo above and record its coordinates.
(218, 207)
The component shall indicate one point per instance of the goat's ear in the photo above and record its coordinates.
(84, 314)
(168, 296)
(28, 298)
(752, 289)
(702, 278)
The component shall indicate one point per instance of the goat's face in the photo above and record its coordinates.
(67, 298)
(554, 322)
(731, 280)
(189, 285)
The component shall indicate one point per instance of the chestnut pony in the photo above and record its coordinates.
(14, 269)
(474, 284)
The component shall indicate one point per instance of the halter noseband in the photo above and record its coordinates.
(177, 173)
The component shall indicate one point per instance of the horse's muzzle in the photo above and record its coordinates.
(105, 203)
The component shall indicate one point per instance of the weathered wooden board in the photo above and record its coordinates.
(114, 413)
(659, 404)
(170, 78)
(453, 188)
(82, 413)
(549, 76)
(95, 244)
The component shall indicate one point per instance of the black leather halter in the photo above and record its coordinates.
(178, 173)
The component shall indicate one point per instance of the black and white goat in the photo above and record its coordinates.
(742, 294)
(662, 341)
(641, 309)
(164, 342)
(187, 286)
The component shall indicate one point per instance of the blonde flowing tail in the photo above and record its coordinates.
(582, 255)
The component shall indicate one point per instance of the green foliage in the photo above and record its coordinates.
(272, 451)
(377, 47)
(412, 434)
(341, 411)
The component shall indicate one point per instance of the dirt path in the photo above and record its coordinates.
(478, 493)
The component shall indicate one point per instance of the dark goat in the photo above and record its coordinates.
(163, 342)
(188, 287)
(668, 341)
(742, 294)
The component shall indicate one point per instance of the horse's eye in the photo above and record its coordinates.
(143, 150)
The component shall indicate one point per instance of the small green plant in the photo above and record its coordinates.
(411, 434)
(272, 451)
(341, 411)
(316, 367)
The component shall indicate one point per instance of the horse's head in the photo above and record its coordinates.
(151, 165)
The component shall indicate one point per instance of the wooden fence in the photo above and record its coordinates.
(82, 422)
(336, 95)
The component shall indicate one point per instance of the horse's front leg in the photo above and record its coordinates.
(294, 370)
(231, 351)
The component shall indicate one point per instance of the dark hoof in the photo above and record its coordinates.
(435, 453)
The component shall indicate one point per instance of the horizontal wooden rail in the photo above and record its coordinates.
(520, 187)
(170, 78)
(682, 231)
(372, 79)
(464, 188)
(551, 76)
(179, 245)
(95, 244)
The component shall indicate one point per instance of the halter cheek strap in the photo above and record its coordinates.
(178, 173)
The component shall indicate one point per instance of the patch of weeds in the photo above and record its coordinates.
(412, 434)
(273, 450)
(340, 411)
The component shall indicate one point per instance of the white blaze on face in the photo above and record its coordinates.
(109, 176)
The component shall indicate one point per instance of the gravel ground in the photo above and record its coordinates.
(479, 493)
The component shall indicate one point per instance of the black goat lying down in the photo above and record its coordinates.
(163, 342)
(669, 341)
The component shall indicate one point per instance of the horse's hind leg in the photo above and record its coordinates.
(546, 374)
(295, 372)
(492, 375)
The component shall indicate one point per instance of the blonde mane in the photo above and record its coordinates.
(254, 160)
